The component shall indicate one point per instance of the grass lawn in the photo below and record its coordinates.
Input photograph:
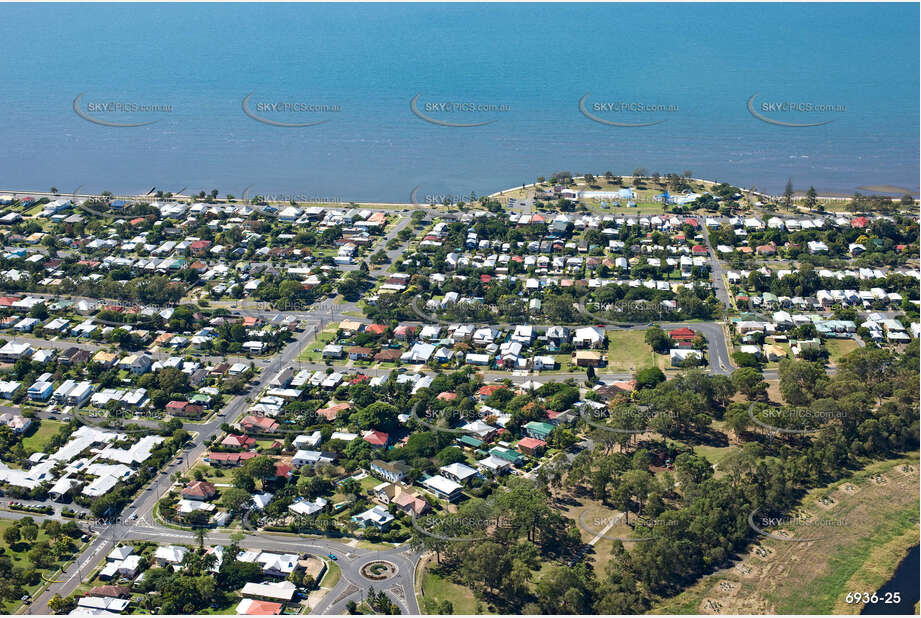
(628, 351)
(838, 348)
(714, 454)
(211, 474)
(332, 575)
(879, 504)
(436, 587)
(319, 342)
(36, 439)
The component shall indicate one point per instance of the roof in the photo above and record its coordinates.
(253, 607)
(531, 443)
(201, 489)
(377, 438)
(281, 590)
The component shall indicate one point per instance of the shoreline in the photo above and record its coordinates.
(890, 191)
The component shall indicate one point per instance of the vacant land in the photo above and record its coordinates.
(880, 507)
(36, 439)
(628, 351)
(838, 348)
(312, 352)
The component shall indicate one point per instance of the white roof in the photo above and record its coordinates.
(441, 484)
(280, 590)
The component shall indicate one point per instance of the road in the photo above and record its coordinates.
(140, 523)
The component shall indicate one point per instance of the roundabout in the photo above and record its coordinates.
(378, 570)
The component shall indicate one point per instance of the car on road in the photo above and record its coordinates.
(332, 556)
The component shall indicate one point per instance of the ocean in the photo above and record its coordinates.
(350, 72)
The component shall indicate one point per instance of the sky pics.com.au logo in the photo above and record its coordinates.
(119, 112)
(794, 113)
(288, 112)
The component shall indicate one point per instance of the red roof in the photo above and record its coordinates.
(258, 422)
(682, 333)
(489, 389)
(446, 396)
(231, 457)
(376, 329)
(531, 443)
(698, 249)
(691, 221)
(860, 222)
(200, 489)
(239, 441)
(177, 405)
(7, 301)
(485, 278)
(262, 608)
(377, 438)
(331, 412)
(282, 470)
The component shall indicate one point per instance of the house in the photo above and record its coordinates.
(539, 430)
(682, 335)
(443, 488)
(393, 471)
(12, 351)
(376, 438)
(16, 422)
(278, 591)
(376, 516)
(255, 607)
(588, 337)
(531, 446)
(679, 356)
(138, 364)
(458, 472)
(171, 554)
(229, 459)
(333, 351)
(199, 490)
(307, 507)
(238, 441)
(588, 358)
(305, 457)
(411, 503)
(42, 388)
(256, 423)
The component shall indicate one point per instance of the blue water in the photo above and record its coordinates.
(538, 59)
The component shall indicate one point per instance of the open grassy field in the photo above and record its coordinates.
(628, 351)
(36, 439)
(879, 505)
(838, 348)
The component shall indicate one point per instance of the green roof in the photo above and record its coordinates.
(538, 427)
(506, 454)
(470, 441)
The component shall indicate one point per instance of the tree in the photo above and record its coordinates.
(657, 339)
(788, 194)
(649, 377)
(801, 381)
(29, 532)
(590, 378)
(11, 535)
(235, 499)
(750, 383)
(59, 605)
(811, 198)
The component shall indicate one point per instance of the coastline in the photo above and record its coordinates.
(882, 190)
